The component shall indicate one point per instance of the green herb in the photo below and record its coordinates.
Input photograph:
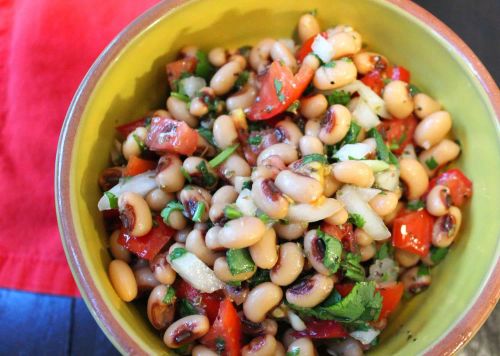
(208, 179)
(206, 134)
(177, 252)
(173, 205)
(310, 87)
(239, 261)
(386, 80)
(261, 276)
(357, 219)
(234, 283)
(182, 97)
(350, 137)
(184, 349)
(112, 199)
(438, 254)
(385, 251)
(383, 153)
(414, 90)
(256, 125)
(200, 210)
(415, 205)
(294, 352)
(346, 59)
(169, 297)
(266, 219)
(186, 174)
(431, 163)
(247, 185)
(278, 86)
(244, 50)
(423, 270)
(187, 308)
(395, 145)
(242, 79)
(203, 67)
(255, 140)
(314, 157)
(330, 64)
(333, 251)
(221, 157)
(352, 267)
(231, 212)
(220, 345)
(294, 107)
(339, 97)
(139, 142)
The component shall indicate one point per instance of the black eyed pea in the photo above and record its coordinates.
(222, 271)
(217, 56)
(432, 129)
(268, 198)
(425, 105)
(212, 238)
(311, 61)
(312, 128)
(145, 279)
(186, 330)
(345, 44)
(305, 347)
(313, 107)
(310, 145)
(238, 58)
(176, 220)
(388, 219)
(238, 294)
(201, 226)
(157, 199)
(339, 218)
(195, 243)
(192, 197)
(335, 125)
(241, 232)
(291, 231)
(353, 172)
(336, 76)
(280, 349)
(367, 61)
(442, 153)
(192, 166)
(225, 195)
(110, 177)
(289, 131)
(286, 152)
(347, 347)
(331, 185)
(414, 175)
(289, 266)
(216, 214)
(397, 99)
(384, 203)
(135, 214)
(262, 299)
(264, 253)
(197, 107)
(321, 209)
(268, 326)
(314, 249)
(117, 250)
(225, 77)
(200, 350)
(179, 110)
(160, 314)
(310, 291)
(224, 131)
(242, 99)
(132, 146)
(362, 238)
(260, 53)
(204, 148)
(438, 200)
(280, 52)
(367, 252)
(234, 166)
(168, 173)
(308, 26)
(264, 345)
(406, 259)
(300, 188)
(414, 282)
(446, 228)
(181, 235)
(123, 280)
(161, 269)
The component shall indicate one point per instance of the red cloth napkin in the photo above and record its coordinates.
(46, 47)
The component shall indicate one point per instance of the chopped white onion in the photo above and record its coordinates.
(196, 273)
(295, 321)
(353, 151)
(245, 203)
(192, 85)
(354, 204)
(365, 337)
(375, 102)
(383, 271)
(388, 179)
(367, 194)
(322, 48)
(141, 184)
(313, 212)
(363, 114)
(376, 165)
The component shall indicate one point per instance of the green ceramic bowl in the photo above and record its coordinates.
(128, 79)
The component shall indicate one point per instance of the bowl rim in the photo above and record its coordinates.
(455, 338)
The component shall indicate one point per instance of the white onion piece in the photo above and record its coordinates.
(388, 179)
(322, 48)
(365, 337)
(363, 114)
(375, 102)
(408, 152)
(354, 204)
(245, 203)
(192, 85)
(376, 165)
(384, 271)
(141, 184)
(367, 194)
(295, 321)
(313, 212)
(353, 151)
(196, 273)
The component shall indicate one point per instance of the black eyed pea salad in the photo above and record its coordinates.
(285, 200)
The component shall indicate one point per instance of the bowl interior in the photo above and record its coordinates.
(134, 82)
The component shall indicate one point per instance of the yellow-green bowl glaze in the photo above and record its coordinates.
(128, 79)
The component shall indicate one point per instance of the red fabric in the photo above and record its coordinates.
(46, 47)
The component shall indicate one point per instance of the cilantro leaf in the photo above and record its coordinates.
(294, 352)
(239, 261)
(415, 205)
(278, 86)
(208, 179)
(177, 252)
(169, 297)
(385, 251)
(383, 152)
(200, 210)
(357, 220)
(203, 67)
(261, 276)
(414, 90)
(352, 267)
(242, 79)
(255, 140)
(333, 251)
(314, 157)
(187, 308)
(339, 97)
(180, 96)
(431, 163)
(186, 174)
(206, 134)
(423, 270)
(438, 254)
(173, 205)
(350, 137)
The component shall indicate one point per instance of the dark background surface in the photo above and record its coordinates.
(48, 325)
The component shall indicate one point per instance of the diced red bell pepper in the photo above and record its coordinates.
(225, 334)
(398, 73)
(374, 80)
(149, 245)
(177, 68)
(169, 135)
(322, 329)
(136, 165)
(206, 303)
(306, 47)
(412, 231)
(391, 297)
(398, 133)
(460, 186)
(127, 128)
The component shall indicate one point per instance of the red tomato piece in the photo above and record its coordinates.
(398, 133)
(412, 232)
(322, 329)
(225, 334)
(344, 289)
(279, 88)
(206, 303)
(391, 298)
(126, 129)
(374, 80)
(149, 245)
(169, 135)
(136, 165)
(177, 68)
(307, 47)
(398, 73)
(344, 233)
(460, 186)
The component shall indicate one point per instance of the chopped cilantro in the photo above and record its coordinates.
(423, 270)
(182, 97)
(383, 152)
(206, 134)
(339, 97)
(177, 252)
(173, 205)
(352, 267)
(330, 64)
(350, 137)
(415, 205)
(414, 90)
(198, 213)
(294, 107)
(112, 199)
(231, 212)
(294, 352)
(385, 251)
(431, 163)
(169, 297)
(239, 261)
(186, 174)
(314, 157)
(221, 157)
(187, 308)
(438, 254)
(266, 219)
(242, 79)
(333, 251)
(203, 67)
(220, 344)
(208, 179)
(278, 86)
(261, 276)
(255, 140)
(247, 185)
(139, 142)
(357, 220)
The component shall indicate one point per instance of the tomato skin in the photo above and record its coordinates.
(149, 245)
(391, 297)
(206, 303)
(175, 69)
(227, 326)
(460, 186)
(374, 80)
(127, 128)
(169, 135)
(344, 288)
(306, 47)
(136, 165)
(399, 73)
(344, 232)
(396, 131)
(268, 104)
(322, 329)
(412, 232)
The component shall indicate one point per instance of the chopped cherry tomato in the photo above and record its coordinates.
(177, 68)
(398, 133)
(225, 334)
(412, 231)
(460, 186)
(307, 47)
(170, 135)
(206, 303)
(344, 233)
(322, 329)
(136, 165)
(344, 289)
(391, 298)
(398, 73)
(267, 137)
(279, 88)
(149, 245)
(126, 129)
(374, 80)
